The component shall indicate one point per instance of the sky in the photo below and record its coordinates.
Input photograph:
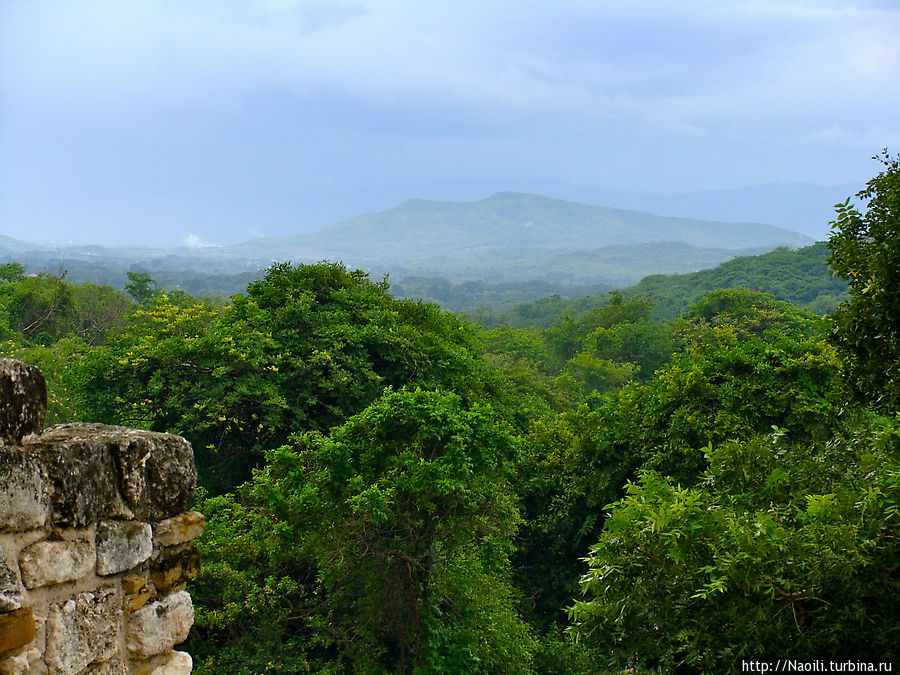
(215, 121)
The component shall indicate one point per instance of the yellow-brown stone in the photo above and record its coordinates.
(135, 602)
(175, 567)
(17, 629)
(133, 583)
(137, 593)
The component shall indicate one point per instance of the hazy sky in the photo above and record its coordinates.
(218, 120)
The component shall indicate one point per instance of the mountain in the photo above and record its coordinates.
(802, 207)
(10, 246)
(420, 229)
(508, 237)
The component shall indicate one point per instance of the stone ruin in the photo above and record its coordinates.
(95, 541)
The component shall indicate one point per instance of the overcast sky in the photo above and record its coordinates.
(218, 120)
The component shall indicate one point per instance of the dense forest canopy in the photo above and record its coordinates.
(677, 477)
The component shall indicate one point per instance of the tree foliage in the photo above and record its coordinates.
(405, 513)
(307, 348)
(389, 489)
(786, 549)
(865, 250)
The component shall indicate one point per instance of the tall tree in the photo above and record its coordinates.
(865, 250)
(404, 514)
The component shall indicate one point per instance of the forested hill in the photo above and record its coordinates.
(420, 228)
(799, 276)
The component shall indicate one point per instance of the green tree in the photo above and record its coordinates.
(406, 514)
(196, 371)
(865, 250)
(307, 348)
(141, 287)
(787, 549)
(732, 381)
(12, 271)
(98, 310)
(40, 309)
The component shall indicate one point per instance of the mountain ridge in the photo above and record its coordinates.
(508, 236)
(420, 228)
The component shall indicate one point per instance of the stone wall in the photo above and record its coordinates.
(95, 541)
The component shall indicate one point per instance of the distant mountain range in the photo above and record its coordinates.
(802, 207)
(506, 237)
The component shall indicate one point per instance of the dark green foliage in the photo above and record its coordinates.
(40, 308)
(731, 382)
(477, 297)
(307, 348)
(12, 271)
(141, 287)
(800, 276)
(51, 323)
(405, 514)
(865, 250)
(787, 549)
(98, 311)
(255, 603)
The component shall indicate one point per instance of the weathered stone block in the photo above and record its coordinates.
(133, 583)
(161, 625)
(23, 499)
(55, 562)
(178, 530)
(12, 595)
(171, 565)
(21, 663)
(173, 663)
(137, 592)
(82, 478)
(17, 629)
(23, 400)
(122, 545)
(82, 631)
(154, 471)
(112, 667)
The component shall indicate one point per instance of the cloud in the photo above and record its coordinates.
(230, 113)
(502, 60)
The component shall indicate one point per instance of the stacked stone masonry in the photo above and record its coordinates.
(95, 541)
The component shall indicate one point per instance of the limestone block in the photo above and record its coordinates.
(21, 663)
(173, 663)
(161, 625)
(122, 545)
(154, 471)
(17, 629)
(23, 500)
(81, 474)
(12, 595)
(178, 530)
(174, 564)
(112, 667)
(23, 400)
(82, 630)
(54, 562)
